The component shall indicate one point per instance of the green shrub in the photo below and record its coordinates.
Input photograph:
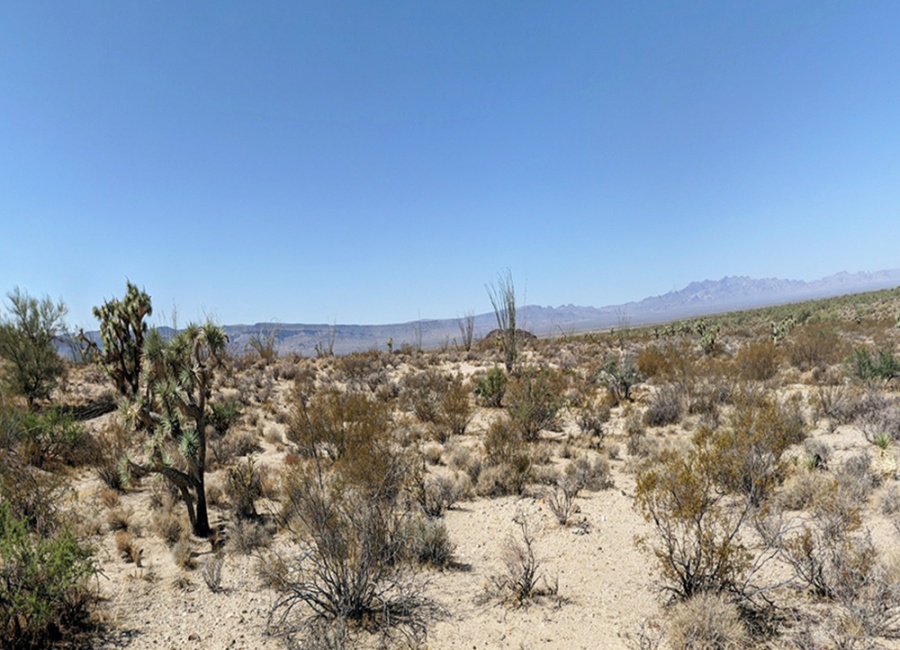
(620, 375)
(27, 346)
(44, 595)
(50, 438)
(749, 451)
(867, 367)
(491, 387)
(534, 398)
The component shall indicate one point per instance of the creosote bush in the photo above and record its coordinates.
(814, 345)
(508, 458)
(757, 361)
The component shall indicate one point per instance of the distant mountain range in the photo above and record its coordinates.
(697, 299)
(731, 293)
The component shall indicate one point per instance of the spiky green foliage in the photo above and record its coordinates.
(31, 365)
(122, 332)
(175, 407)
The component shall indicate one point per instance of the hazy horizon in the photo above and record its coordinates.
(355, 163)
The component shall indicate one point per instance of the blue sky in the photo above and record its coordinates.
(360, 162)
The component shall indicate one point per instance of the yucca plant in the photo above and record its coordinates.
(175, 407)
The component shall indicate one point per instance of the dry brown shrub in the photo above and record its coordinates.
(653, 361)
(815, 345)
(223, 449)
(666, 407)
(170, 527)
(428, 542)
(890, 500)
(245, 486)
(523, 578)
(757, 361)
(467, 460)
(127, 547)
(707, 621)
(432, 452)
(119, 518)
(855, 478)
(804, 489)
(183, 554)
(246, 536)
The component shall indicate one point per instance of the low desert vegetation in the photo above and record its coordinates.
(368, 499)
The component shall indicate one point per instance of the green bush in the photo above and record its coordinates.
(620, 375)
(534, 398)
(748, 452)
(868, 367)
(44, 595)
(492, 387)
(27, 346)
(50, 438)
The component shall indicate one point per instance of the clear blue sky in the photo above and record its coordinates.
(373, 162)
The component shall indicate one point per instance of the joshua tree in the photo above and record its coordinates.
(175, 408)
(503, 299)
(122, 332)
(32, 366)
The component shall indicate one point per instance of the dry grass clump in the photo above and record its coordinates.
(170, 527)
(707, 621)
(128, 548)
